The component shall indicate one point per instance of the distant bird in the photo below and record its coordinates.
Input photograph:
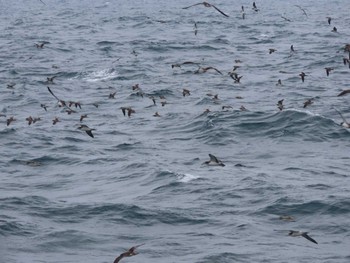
(112, 95)
(344, 123)
(43, 106)
(127, 109)
(88, 130)
(334, 29)
(302, 234)
(153, 99)
(55, 120)
(344, 92)
(279, 82)
(195, 29)
(226, 107)
(82, 117)
(307, 103)
(74, 103)
(186, 92)
(11, 86)
(302, 9)
(156, 114)
(9, 120)
(242, 108)
(214, 161)
(329, 19)
(271, 50)
(255, 8)
(40, 45)
(134, 53)
(163, 103)
(280, 105)
(50, 79)
(129, 253)
(136, 87)
(29, 120)
(285, 18)
(292, 48)
(235, 77)
(302, 75)
(346, 61)
(206, 4)
(328, 70)
(203, 70)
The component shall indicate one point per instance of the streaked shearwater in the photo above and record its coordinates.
(88, 130)
(214, 161)
(301, 234)
(129, 253)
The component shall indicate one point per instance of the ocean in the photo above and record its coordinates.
(141, 179)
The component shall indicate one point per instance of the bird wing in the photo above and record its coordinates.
(217, 9)
(89, 132)
(53, 94)
(343, 92)
(341, 115)
(192, 5)
(213, 158)
(309, 238)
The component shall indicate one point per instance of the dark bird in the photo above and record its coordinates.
(328, 70)
(127, 109)
(178, 65)
(50, 79)
(302, 75)
(344, 123)
(41, 45)
(280, 105)
(334, 29)
(271, 50)
(55, 120)
(43, 106)
(329, 19)
(292, 48)
(112, 95)
(156, 114)
(135, 87)
(302, 9)
(61, 103)
(235, 77)
(242, 108)
(9, 120)
(214, 161)
(346, 61)
(206, 4)
(129, 253)
(11, 86)
(153, 99)
(255, 8)
(344, 92)
(29, 120)
(82, 117)
(279, 82)
(307, 103)
(87, 130)
(302, 234)
(186, 92)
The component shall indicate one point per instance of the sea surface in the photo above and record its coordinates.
(68, 197)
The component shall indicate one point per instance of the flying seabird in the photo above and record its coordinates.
(129, 253)
(127, 109)
(41, 45)
(55, 120)
(111, 95)
(271, 50)
(302, 75)
(214, 161)
(329, 19)
(279, 82)
(9, 120)
(206, 4)
(328, 70)
(302, 234)
(156, 114)
(11, 86)
(203, 70)
(50, 79)
(344, 92)
(88, 130)
(280, 105)
(255, 8)
(292, 48)
(82, 117)
(307, 103)
(345, 123)
(334, 29)
(186, 92)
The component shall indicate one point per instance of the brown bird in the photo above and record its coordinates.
(82, 117)
(29, 120)
(307, 103)
(329, 19)
(11, 86)
(242, 108)
(153, 99)
(235, 77)
(206, 4)
(136, 87)
(112, 95)
(302, 75)
(344, 92)
(156, 114)
(279, 82)
(129, 253)
(43, 106)
(127, 109)
(328, 70)
(9, 120)
(186, 92)
(55, 120)
(287, 218)
(271, 50)
(334, 29)
(50, 79)
(346, 61)
(41, 45)
(88, 130)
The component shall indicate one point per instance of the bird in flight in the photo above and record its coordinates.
(206, 4)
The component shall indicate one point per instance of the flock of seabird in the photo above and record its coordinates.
(128, 111)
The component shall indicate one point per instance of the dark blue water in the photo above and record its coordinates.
(67, 197)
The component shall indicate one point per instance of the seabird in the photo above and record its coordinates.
(307, 103)
(111, 95)
(329, 19)
(203, 70)
(206, 4)
(279, 82)
(41, 45)
(11, 86)
(242, 108)
(129, 253)
(302, 234)
(9, 120)
(301, 9)
(186, 92)
(344, 92)
(43, 106)
(280, 105)
(344, 123)
(29, 120)
(156, 114)
(334, 29)
(127, 109)
(88, 130)
(82, 117)
(55, 120)
(255, 8)
(50, 79)
(235, 77)
(271, 50)
(214, 161)
(178, 65)
(287, 218)
(292, 48)
(328, 70)
(302, 75)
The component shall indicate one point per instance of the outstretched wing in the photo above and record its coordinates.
(192, 5)
(217, 9)
(213, 158)
(309, 238)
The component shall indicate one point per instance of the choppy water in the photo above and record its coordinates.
(66, 197)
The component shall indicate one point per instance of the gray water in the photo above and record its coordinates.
(67, 197)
